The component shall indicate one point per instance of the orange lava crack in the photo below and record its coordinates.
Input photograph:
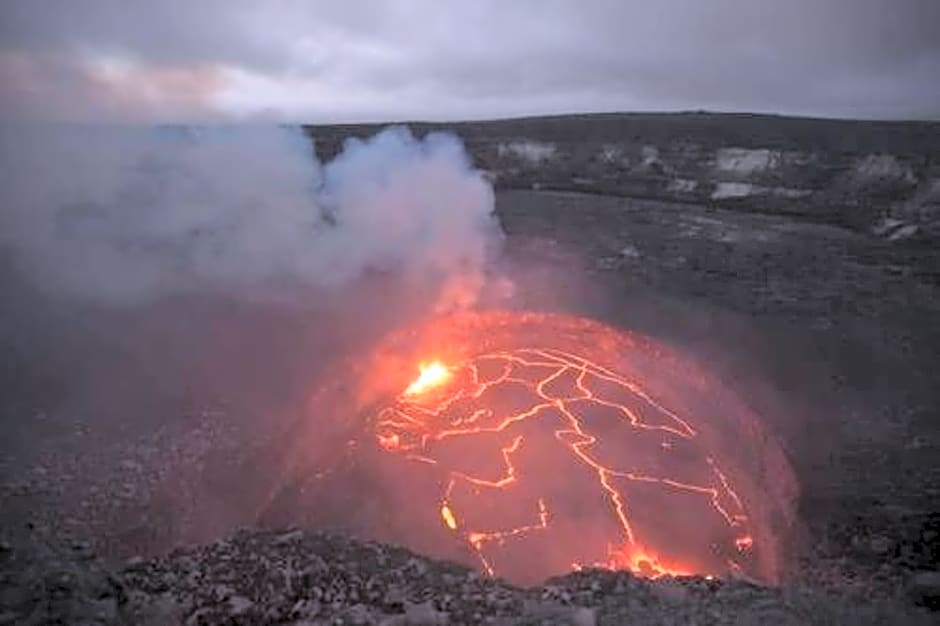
(432, 410)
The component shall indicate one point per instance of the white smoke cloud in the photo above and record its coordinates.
(121, 215)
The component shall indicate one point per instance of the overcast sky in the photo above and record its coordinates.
(349, 60)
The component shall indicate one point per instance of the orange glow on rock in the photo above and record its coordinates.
(536, 444)
(563, 387)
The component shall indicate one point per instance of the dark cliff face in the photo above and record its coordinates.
(878, 177)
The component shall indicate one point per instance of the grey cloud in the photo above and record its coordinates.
(425, 59)
(124, 216)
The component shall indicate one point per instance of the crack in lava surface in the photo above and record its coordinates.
(548, 456)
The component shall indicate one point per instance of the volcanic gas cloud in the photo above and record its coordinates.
(533, 444)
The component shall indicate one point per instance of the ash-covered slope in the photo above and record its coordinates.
(878, 177)
(295, 577)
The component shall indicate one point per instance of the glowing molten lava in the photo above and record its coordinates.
(578, 402)
(432, 375)
(538, 444)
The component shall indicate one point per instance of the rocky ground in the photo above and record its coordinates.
(826, 324)
(296, 577)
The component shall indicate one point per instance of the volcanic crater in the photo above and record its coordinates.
(529, 445)
(732, 385)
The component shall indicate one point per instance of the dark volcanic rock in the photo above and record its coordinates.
(293, 577)
(44, 581)
(924, 588)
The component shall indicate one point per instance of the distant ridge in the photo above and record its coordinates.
(749, 130)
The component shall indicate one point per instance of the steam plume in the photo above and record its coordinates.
(123, 216)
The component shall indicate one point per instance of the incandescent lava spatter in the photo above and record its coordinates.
(535, 444)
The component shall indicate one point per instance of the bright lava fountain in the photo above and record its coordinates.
(546, 443)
